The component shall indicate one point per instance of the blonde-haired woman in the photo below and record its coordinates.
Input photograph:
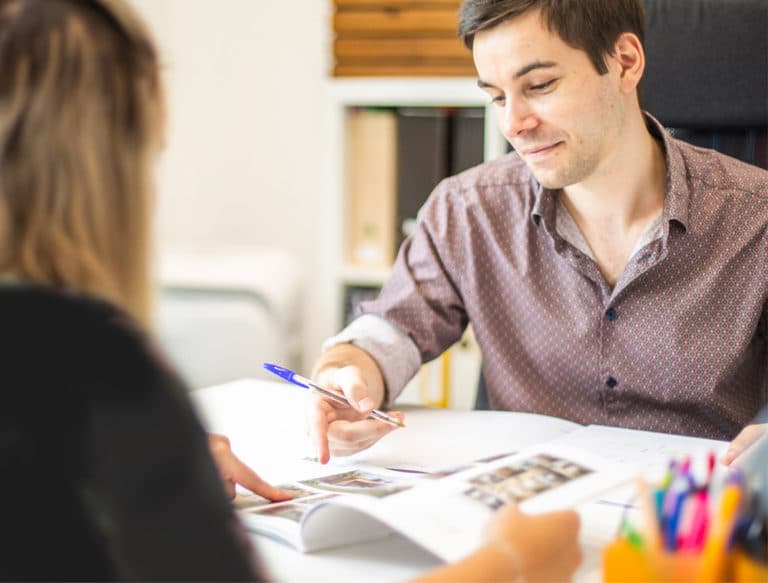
(106, 472)
(105, 469)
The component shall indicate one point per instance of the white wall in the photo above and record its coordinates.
(245, 159)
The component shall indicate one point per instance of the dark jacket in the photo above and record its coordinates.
(105, 471)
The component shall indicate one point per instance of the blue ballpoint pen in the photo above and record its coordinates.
(296, 379)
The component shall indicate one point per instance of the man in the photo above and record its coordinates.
(612, 274)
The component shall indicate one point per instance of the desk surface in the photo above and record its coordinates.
(265, 422)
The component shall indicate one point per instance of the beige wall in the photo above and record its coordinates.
(245, 159)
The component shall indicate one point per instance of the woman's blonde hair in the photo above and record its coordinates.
(81, 120)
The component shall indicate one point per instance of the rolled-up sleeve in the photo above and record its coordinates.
(420, 311)
(394, 351)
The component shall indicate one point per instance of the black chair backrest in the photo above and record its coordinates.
(706, 73)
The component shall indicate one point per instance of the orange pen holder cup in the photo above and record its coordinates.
(623, 563)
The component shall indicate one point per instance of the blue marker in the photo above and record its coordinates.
(292, 377)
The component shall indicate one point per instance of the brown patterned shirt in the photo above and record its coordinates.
(678, 345)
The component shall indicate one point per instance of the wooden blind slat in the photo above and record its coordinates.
(399, 37)
(388, 70)
(396, 22)
(397, 48)
(392, 4)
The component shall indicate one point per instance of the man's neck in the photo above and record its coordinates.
(629, 185)
(614, 207)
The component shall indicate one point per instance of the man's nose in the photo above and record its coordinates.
(517, 119)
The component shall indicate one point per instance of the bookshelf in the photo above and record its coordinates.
(458, 370)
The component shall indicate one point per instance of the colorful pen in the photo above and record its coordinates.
(720, 530)
(694, 539)
(650, 521)
(674, 500)
(296, 379)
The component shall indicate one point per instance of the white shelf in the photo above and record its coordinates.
(419, 92)
(346, 93)
(456, 91)
(355, 275)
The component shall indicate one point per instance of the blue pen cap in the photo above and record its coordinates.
(284, 374)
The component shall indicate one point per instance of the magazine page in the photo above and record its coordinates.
(445, 512)
(434, 439)
(447, 516)
(649, 451)
(292, 521)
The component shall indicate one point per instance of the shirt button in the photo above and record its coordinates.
(611, 382)
(611, 314)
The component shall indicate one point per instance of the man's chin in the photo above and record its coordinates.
(549, 180)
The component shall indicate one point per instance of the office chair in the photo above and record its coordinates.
(706, 80)
(706, 76)
(222, 312)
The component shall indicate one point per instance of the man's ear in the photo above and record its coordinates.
(629, 55)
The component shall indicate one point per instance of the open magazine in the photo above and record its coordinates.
(443, 511)
(436, 508)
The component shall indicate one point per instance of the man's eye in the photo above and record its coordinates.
(542, 86)
(498, 100)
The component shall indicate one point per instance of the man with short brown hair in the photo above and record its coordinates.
(612, 274)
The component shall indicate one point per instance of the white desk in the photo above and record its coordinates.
(265, 421)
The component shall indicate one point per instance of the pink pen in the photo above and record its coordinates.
(699, 520)
(710, 465)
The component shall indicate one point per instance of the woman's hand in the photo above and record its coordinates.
(233, 471)
(542, 547)
(518, 547)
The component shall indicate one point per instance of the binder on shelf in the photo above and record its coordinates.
(449, 380)
(354, 295)
(433, 143)
(467, 138)
(371, 171)
(466, 361)
(422, 161)
(435, 381)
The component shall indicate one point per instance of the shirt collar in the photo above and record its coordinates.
(545, 207)
(677, 188)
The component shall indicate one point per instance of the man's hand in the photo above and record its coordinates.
(340, 429)
(742, 441)
(233, 471)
